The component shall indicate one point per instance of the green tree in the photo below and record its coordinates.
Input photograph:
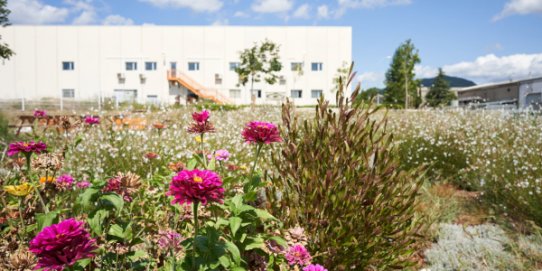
(341, 75)
(5, 52)
(401, 87)
(257, 61)
(439, 94)
(368, 94)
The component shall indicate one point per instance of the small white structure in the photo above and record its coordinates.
(530, 93)
(162, 64)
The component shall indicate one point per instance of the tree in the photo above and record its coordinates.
(439, 93)
(401, 87)
(5, 52)
(368, 95)
(257, 61)
(341, 76)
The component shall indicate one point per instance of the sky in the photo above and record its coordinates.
(480, 40)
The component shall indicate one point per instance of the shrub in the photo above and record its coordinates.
(340, 178)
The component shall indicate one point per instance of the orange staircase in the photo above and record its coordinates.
(196, 88)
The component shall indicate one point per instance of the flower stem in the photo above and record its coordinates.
(28, 155)
(43, 205)
(23, 228)
(195, 213)
(258, 150)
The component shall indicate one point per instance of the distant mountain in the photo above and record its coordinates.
(455, 82)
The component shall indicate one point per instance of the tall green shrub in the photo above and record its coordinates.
(340, 180)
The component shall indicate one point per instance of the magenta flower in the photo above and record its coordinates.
(298, 254)
(220, 155)
(261, 132)
(169, 240)
(202, 116)
(83, 184)
(39, 113)
(64, 182)
(90, 120)
(26, 148)
(314, 267)
(61, 245)
(196, 186)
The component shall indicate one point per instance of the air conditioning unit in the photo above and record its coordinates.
(121, 76)
(142, 76)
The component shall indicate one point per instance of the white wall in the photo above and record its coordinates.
(100, 52)
(528, 87)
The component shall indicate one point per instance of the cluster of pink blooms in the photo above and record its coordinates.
(260, 132)
(26, 148)
(169, 239)
(64, 182)
(220, 155)
(90, 120)
(199, 186)
(83, 184)
(201, 123)
(40, 113)
(61, 245)
(314, 267)
(115, 185)
(298, 255)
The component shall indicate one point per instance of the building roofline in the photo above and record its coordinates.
(497, 84)
(192, 26)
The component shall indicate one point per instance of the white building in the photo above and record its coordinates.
(136, 62)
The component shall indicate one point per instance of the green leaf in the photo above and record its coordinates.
(224, 261)
(45, 220)
(280, 241)
(117, 231)
(96, 221)
(254, 243)
(192, 163)
(113, 200)
(235, 223)
(264, 215)
(236, 255)
(87, 198)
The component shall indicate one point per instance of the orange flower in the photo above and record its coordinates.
(159, 125)
(49, 179)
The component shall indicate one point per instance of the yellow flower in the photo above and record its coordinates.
(198, 139)
(49, 179)
(19, 190)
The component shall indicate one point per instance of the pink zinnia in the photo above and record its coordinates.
(298, 254)
(261, 132)
(196, 186)
(314, 267)
(64, 182)
(169, 240)
(61, 245)
(220, 155)
(202, 116)
(26, 147)
(92, 120)
(39, 113)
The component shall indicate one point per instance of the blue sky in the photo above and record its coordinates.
(482, 40)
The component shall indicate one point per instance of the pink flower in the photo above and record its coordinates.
(220, 155)
(61, 245)
(26, 147)
(169, 240)
(151, 155)
(314, 267)
(83, 184)
(90, 120)
(196, 186)
(64, 182)
(39, 113)
(298, 254)
(261, 133)
(202, 116)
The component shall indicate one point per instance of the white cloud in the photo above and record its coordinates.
(86, 17)
(240, 14)
(492, 68)
(221, 22)
(371, 3)
(35, 12)
(196, 5)
(323, 12)
(371, 79)
(302, 12)
(117, 20)
(520, 7)
(272, 6)
(86, 10)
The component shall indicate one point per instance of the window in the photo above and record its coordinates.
(297, 66)
(234, 65)
(68, 66)
(316, 66)
(68, 93)
(316, 93)
(173, 65)
(218, 79)
(153, 99)
(257, 93)
(282, 80)
(296, 93)
(150, 66)
(131, 66)
(235, 93)
(193, 66)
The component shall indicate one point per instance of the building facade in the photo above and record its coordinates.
(164, 64)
